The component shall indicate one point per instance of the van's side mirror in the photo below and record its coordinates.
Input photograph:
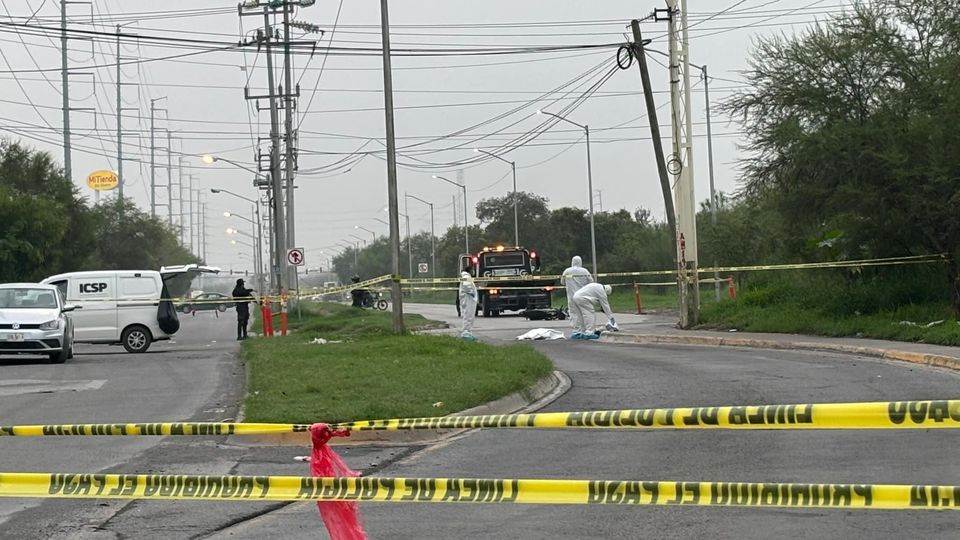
(69, 307)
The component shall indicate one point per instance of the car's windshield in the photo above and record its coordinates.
(25, 298)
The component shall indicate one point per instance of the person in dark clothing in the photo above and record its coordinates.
(357, 295)
(242, 296)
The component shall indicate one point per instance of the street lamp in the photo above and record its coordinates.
(593, 234)
(466, 228)
(513, 167)
(433, 237)
(259, 231)
(363, 240)
(373, 234)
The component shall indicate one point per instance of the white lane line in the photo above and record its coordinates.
(16, 387)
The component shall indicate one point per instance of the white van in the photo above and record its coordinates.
(127, 307)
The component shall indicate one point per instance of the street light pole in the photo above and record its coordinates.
(373, 234)
(593, 233)
(433, 236)
(513, 169)
(466, 226)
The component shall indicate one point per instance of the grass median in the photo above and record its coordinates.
(372, 373)
(897, 309)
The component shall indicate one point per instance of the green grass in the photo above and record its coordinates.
(375, 374)
(861, 309)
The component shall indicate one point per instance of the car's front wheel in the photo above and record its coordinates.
(60, 356)
(136, 339)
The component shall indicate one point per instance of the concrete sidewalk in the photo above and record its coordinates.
(661, 329)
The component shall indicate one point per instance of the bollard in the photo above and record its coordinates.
(731, 289)
(636, 292)
(283, 314)
(267, 320)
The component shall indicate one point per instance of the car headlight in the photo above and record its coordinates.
(51, 325)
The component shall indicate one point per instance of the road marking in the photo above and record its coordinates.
(16, 387)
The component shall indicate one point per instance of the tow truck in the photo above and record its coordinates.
(519, 290)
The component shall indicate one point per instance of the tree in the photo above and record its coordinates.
(46, 228)
(134, 241)
(852, 128)
(496, 214)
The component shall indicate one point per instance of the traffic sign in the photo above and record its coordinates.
(295, 257)
(423, 268)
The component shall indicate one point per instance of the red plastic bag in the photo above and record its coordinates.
(342, 519)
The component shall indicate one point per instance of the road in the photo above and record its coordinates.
(624, 376)
(195, 376)
(198, 378)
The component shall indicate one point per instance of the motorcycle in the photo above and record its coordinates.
(373, 300)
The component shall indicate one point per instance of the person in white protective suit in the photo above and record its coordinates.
(574, 278)
(585, 302)
(468, 305)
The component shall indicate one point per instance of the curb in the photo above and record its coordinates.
(532, 398)
(935, 360)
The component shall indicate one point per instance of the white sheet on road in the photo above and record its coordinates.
(541, 333)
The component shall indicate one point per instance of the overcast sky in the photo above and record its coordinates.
(341, 106)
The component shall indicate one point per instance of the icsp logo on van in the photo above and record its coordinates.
(92, 287)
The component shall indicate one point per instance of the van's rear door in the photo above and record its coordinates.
(169, 272)
(177, 279)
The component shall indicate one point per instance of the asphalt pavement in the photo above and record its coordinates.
(199, 378)
(194, 376)
(608, 376)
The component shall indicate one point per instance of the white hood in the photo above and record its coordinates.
(577, 262)
(28, 315)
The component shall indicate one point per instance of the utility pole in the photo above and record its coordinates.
(713, 193)
(682, 161)
(516, 219)
(169, 180)
(65, 83)
(153, 172)
(180, 214)
(119, 131)
(266, 38)
(641, 57)
(203, 228)
(391, 172)
(190, 192)
(289, 103)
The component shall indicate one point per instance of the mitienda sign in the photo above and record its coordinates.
(103, 180)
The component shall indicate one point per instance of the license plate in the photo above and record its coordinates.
(505, 272)
(14, 337)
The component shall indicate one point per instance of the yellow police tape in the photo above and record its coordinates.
(888, 261)
(344, 288)
(875, 415)
(475, 490)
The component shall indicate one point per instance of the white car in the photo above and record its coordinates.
(132, 308)
(33, 320)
